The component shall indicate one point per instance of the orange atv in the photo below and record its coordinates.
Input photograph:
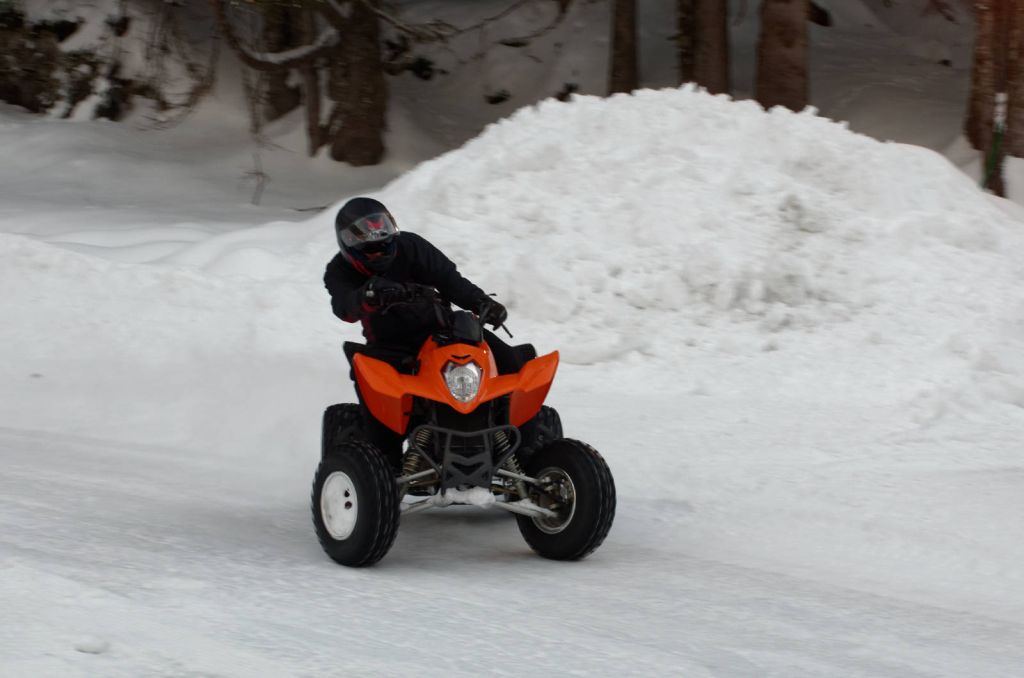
(470, 436)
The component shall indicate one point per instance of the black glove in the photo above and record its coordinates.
(380, 291)
(493, 312)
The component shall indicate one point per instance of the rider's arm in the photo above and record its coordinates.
(432, 267)
(346, 295)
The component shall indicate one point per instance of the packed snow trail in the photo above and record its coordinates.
(186, 566)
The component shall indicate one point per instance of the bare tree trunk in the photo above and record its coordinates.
(997, 74)
(994, 178)
(350, 45)
(1015, 84)
(311, 92)
(623, 73)
(686, 39)
(712, 53)
(980, 108)
(782, 54)
(361, 93)
(311, 95)
(280, 33)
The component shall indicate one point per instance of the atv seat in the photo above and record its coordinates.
(401, 360)
(524, 353)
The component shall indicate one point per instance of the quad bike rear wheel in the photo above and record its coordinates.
(355, 503)
(577, 485)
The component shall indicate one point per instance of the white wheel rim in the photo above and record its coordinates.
(339, 505)
(567, 509)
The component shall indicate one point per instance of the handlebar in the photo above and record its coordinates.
(485, 311)
(415, 292)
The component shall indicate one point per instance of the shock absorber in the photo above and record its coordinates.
(502, 445)
(414, 461)
(423, 439)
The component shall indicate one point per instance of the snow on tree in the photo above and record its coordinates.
(337, 50)
(346, 40)
(89, 60)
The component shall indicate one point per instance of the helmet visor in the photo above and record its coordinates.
(369, 234)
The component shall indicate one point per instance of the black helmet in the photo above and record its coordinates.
(367, 234)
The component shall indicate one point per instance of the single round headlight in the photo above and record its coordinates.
(463, 380)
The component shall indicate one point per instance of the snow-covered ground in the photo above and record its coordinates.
(799, 349)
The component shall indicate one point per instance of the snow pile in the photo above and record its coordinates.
(672, 218)
(670, 225)
(680, 201)
(165, 354)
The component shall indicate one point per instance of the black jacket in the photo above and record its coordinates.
(417, 261)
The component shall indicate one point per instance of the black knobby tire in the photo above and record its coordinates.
(594, 501)
(544, 428)
(340, 422)
(375, 524)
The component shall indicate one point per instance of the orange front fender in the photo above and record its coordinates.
(529, 388)
(388, 395)
(383, 392)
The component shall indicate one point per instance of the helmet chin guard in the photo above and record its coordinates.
(367, 234)
(371, 264)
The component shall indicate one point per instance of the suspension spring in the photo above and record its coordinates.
(414, 461)
(423, 439)
(502, 445)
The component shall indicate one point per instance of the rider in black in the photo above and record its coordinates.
(370, 273)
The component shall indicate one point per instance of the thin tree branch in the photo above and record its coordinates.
(442, 31)
(543, 30)
(294, 58)
(334, 13)
(942, 8)
(433, 31)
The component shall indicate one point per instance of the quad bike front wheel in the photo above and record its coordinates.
(355, 504)
(575, 484)
(339, 423)
(545, 427)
